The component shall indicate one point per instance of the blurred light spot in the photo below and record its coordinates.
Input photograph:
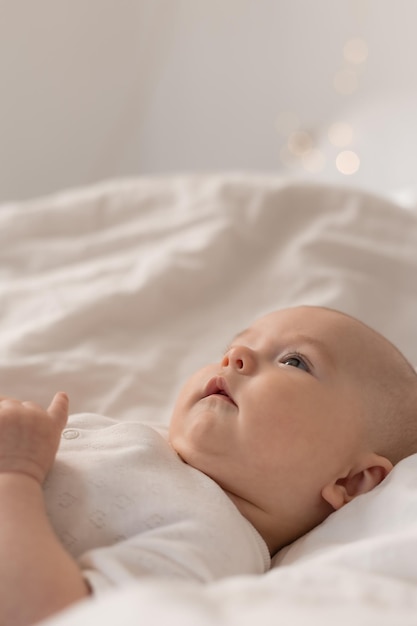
(356, 51)
(300, 142)
(340, 134)
(287, 122)
(347, 162)
(314, 161)
(345, 82)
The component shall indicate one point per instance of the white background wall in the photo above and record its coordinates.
(92, 89)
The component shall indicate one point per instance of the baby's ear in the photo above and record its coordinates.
(361, 479)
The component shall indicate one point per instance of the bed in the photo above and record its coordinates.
(117, 291)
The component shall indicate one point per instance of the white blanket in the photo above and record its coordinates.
(115, 293)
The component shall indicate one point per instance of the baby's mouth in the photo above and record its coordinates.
(217, 386)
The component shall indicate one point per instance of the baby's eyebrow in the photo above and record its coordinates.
(319, 345)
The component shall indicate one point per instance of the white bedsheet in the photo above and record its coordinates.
(116, 292)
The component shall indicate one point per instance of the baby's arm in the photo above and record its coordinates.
(37, 576)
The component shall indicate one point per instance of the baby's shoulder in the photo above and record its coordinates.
(97, 421)
(89, 421)
(84, 428)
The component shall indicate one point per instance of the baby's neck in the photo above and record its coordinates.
(260, 520)
(280, 528)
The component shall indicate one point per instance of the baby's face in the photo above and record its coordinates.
(280, 412)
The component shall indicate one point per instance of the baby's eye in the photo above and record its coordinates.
(294, 360)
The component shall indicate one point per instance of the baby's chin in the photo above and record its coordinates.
(188, 454)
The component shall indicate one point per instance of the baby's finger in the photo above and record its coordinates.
(58, 409)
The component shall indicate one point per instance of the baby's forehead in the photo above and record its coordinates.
(315, 322)
(343, 337)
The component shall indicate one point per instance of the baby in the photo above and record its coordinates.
(307, 409)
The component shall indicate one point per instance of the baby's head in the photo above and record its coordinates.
(307, 409)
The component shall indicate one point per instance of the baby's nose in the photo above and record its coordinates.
(240, 358)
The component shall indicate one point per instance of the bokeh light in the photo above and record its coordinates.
(347, 162)
(356, 51)
(300, 142)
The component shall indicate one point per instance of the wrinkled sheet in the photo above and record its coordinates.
(116, 292)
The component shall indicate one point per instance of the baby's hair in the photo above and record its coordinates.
(395, 422)
(392, 401)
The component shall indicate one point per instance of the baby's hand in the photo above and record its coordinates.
(29, 435)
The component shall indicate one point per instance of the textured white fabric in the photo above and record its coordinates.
(123, 503)
(117, 292)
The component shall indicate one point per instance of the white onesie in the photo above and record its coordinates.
(125, 505)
